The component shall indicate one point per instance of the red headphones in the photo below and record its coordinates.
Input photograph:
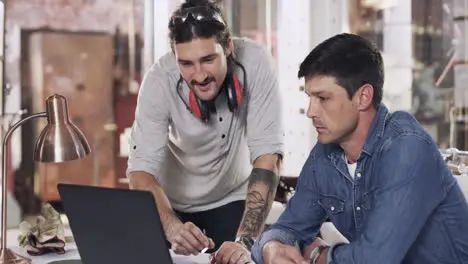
(234, 94)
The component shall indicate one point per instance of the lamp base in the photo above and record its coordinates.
(9, 257)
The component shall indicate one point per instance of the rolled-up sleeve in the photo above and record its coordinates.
(264, 116)
(299, 224)
(149, 133)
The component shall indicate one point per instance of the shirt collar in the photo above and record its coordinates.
(376, 132)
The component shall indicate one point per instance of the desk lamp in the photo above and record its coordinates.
(59, 141)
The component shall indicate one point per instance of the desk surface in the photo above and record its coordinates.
(72, 252)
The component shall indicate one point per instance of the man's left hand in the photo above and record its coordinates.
(231, 253)
(309, 248)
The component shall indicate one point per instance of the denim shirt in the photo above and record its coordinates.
(403, 205)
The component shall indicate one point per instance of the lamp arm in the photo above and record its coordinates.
(4, 171)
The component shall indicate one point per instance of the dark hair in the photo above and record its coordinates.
(192, 28)
(351, 60)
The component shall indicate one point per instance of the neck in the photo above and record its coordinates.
(352, 146)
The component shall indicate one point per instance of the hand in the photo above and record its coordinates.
(231, 253)
(275, 252)
(309, 248)
(189, 239)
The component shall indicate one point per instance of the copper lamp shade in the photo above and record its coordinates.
(60, 140)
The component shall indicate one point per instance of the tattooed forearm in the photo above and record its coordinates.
(261, 191)
(255, 213)
(263, 176)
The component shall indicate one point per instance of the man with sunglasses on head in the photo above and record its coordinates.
(207, 139)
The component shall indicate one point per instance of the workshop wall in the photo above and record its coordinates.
(67, 15)
(89, 15)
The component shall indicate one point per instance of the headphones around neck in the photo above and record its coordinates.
(235, 93)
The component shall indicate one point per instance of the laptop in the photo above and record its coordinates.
(114, 226)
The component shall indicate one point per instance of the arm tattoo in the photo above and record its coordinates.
(264, 176)
(257, 206)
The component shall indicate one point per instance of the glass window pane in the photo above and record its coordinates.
(254, 19)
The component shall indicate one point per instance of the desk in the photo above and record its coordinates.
(72, 252)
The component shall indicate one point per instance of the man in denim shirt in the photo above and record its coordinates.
(378, 176)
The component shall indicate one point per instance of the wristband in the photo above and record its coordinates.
(245, 240)
(315, 254)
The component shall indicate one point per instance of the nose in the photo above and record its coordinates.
(199, 74)
(314, 107)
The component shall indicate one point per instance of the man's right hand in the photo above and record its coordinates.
(189, 239)
(275, 252)
(185, 238)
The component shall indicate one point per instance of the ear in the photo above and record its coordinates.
(364, 96)
(229, 48)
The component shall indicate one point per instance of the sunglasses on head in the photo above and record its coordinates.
(197, 13)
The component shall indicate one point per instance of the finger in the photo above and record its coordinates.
(238, 257)
(307, 251)
(182, 250)
(221, 253)
(212, 244)
(246, 258)
(212, 258)
(297, 259)
(317, 242)
(281, 260)
(218, 255)
(178, 249)
(198, 234)
(182, 241)
(294, 255)
(229, 255)
(190, 237)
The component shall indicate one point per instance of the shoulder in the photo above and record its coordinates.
(406, 152)
(409, 155)
(162, 76)
(260, 68)
(168, 64)
(402, 124)
(251, 54)
(158, 87)
(243, 47)
(405, 140)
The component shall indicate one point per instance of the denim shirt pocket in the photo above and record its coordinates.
(331, 205)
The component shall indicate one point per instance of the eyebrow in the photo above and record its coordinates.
(209, 56)
(318, 93)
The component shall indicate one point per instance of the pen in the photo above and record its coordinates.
(204, 249)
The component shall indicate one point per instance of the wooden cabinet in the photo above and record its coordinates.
(79, 67)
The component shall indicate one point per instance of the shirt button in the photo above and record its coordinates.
(332, 208)
(358, 175)
(223, 136)
(358, 208)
